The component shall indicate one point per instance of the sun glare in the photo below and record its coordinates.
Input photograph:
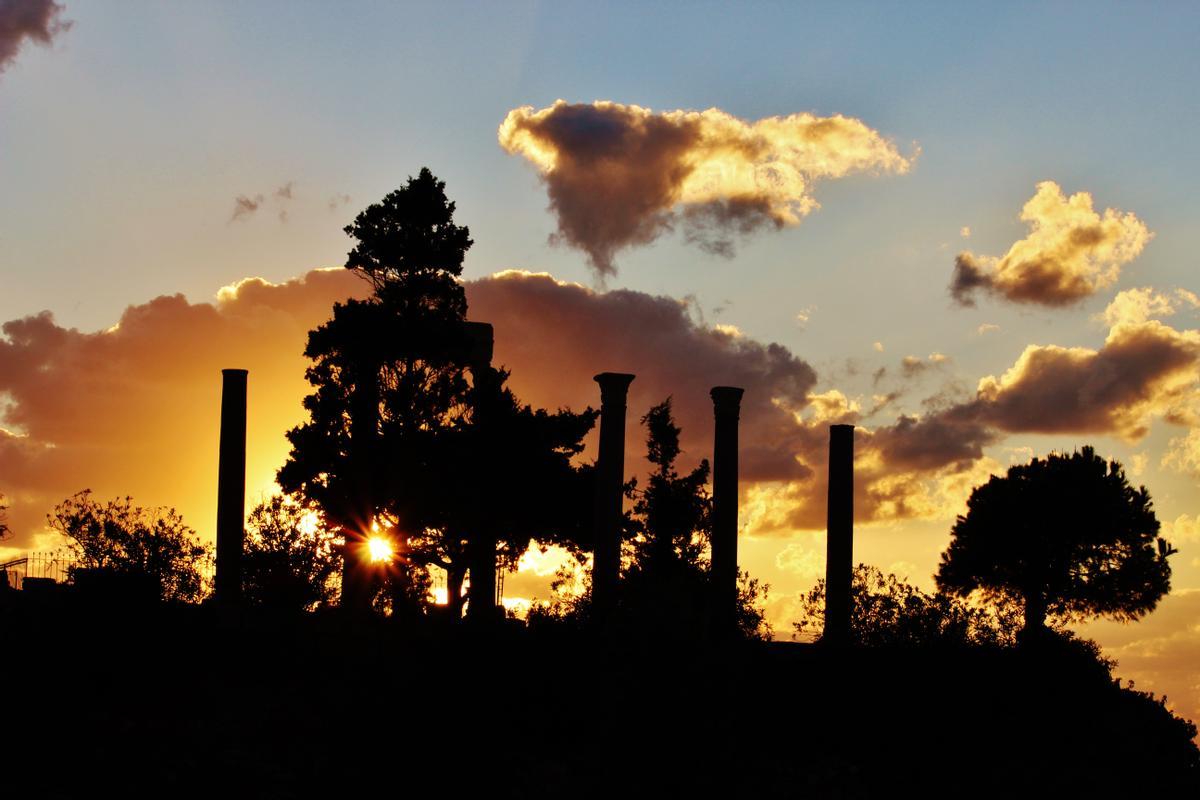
(380, 550)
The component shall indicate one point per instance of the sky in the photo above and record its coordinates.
(994, 205)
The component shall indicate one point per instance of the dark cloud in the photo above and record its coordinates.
(555, 336)
(133, 409)
(1145, 370)
(1142, 371)
(244, 206)
(28, 20)
(615, 174)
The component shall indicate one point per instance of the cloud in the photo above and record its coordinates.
(1183, 454)
(338, 200)
(555, 336)
(621, 175)
(28, 20)
(134, 409)
(1135, 306)
(1183, 528)
(245, 206)
(1071, 253)
(1145, 370)
(804, 558)
(986, 328)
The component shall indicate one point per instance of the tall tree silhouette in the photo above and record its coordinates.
(1066, 536)
(4, 531)
(386, 375)
(118, 537)
(404, 436)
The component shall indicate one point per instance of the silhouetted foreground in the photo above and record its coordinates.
(196, 701)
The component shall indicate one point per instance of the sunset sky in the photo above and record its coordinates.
(969, 230)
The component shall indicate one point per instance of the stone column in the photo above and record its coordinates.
(839, 559)
(482, 545)
(610, 477)
(723, 571)
(231, 487)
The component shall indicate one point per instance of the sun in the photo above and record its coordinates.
(380, 550)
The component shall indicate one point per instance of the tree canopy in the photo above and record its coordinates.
(665, 579)
(386, 373)
(119, 537)
(1066, 536)
(887, 611)
(410, 428)
(289, 558)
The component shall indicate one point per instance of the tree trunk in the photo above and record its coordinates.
(1035, 616)
(455, 575)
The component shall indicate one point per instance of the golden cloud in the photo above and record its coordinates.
(1145, 369)
(617, 173)
(1071, 253)
(134, 409)
(1183, 453)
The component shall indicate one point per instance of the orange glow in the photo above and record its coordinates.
(380, 550)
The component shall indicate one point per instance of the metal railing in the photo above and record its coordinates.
(52, 564)
(56, 565)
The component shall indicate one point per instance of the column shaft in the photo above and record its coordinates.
(231, 487)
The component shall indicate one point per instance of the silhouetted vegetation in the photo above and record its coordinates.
(411, 432)
(1065, 536)
(4, 531)
(508, 477)
(665, 579)
(413, 436)
(206, 701)
(290, 559)
(387, 380)
(886, 611)
(117, 538)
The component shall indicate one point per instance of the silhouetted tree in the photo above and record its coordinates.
(508, 478)
(666, 581)
(1065, 536)
(386, 371)
(668, 533)
(4, 531)
(888, 611)
(290, 557)
(149, 543)
(403, 436)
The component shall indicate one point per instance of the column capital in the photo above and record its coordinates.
(613, 386)
(727, 400)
